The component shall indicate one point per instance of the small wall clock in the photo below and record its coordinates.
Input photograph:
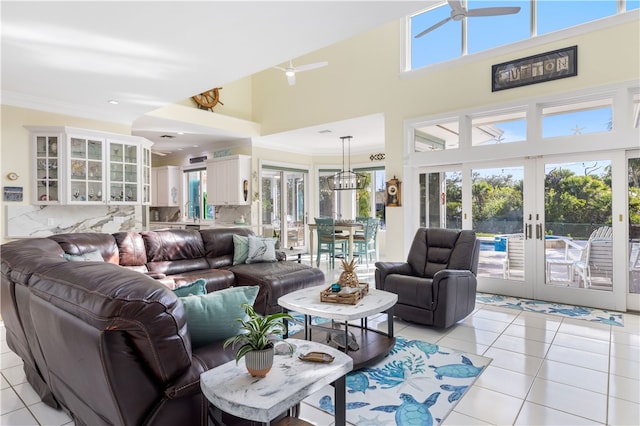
(394, 193)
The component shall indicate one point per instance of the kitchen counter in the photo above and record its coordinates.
(189, 224)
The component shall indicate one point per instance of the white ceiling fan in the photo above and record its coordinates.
(290, 71)
(459, 13)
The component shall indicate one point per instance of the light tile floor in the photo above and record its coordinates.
(546, 370)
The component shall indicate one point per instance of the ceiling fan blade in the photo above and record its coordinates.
(456, 7)
(281, 69)
(493, 11)
(291, 78)
(312, 66)
(433, 27)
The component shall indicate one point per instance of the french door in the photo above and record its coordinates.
(534, 218)
(283, 205)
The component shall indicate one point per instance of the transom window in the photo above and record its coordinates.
(456, 38)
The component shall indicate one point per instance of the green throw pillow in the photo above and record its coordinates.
(261, 250)
(91, 256)
(213, 316)
(240, 249)
(196, 288)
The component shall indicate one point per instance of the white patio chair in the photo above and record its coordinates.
(514, 256)
(595, 268)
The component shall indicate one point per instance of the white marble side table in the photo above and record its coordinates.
(230, 388)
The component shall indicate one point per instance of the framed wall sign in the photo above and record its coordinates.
(534, 69)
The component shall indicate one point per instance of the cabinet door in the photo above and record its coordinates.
(146, 174)
(123, 173)
(47, 169)
(225, 180)
(86, 170)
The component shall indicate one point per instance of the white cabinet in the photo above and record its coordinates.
(228, 180)
(166, 186)
(80, 166)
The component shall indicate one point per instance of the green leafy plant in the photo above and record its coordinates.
(258, 332)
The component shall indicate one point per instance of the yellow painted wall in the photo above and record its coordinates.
(236, 98)
(363, 77)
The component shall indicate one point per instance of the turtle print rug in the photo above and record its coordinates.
(567, 311)
(417, 383)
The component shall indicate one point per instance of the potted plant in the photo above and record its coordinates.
(257, 338)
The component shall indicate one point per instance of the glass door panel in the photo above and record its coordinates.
(633, 167)
(578, 234)
(497, 217)
(296, 210)
(441, 199)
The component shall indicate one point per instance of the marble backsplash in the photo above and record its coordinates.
(222, 214)
(27, 221)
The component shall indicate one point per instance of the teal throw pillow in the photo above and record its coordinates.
(261, 250)
(214, 316)
(196, 288)
(240, 249)
(91, 256)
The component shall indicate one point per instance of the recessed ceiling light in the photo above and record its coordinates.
(195, 146)
(113, 101)
(179, 149)
(181, 133)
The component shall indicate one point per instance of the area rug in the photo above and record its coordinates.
(417, 383)
(568, 311)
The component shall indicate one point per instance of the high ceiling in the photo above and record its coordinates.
(74, 57)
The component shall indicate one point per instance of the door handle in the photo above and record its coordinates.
(527, 232)
(539, 231)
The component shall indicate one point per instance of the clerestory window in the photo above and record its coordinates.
(460, 37)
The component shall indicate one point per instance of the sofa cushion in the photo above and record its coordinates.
(133, 254)
(218, 244)
(196, 288)
(214, 316)
(240, 249)
(261, 250)
(174, 251)
(80, 243)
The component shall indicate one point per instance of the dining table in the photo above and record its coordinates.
(348, 227)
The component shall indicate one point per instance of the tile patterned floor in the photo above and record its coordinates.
(546, 370)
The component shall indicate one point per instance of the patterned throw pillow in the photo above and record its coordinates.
(240, 249)
(261, 250)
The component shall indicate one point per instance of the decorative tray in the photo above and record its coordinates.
(347, 295)
(316, 357)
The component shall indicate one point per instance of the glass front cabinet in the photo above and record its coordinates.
(78, 166)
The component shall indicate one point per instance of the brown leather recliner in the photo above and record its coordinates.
(437, 284)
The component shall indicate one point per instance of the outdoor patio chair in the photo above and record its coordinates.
(514, 256)
(595, 267)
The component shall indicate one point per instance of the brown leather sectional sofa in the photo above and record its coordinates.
(107, 340)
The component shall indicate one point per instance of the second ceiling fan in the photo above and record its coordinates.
(290, 71)
(458, 13)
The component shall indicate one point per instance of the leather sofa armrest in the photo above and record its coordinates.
(203, 358)
(454, 291)
(385, 268)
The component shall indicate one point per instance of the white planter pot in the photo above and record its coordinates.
(259, 362)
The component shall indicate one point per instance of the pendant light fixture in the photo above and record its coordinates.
(346, 179)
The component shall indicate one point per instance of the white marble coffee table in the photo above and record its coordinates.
(373, 344)
(231, 388)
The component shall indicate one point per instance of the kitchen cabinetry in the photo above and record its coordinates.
(166, 186)
(79, 166)
(228, 180)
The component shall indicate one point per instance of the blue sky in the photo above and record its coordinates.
(445, 42)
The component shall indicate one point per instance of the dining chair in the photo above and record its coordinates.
(364, 243)
(329, 242)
